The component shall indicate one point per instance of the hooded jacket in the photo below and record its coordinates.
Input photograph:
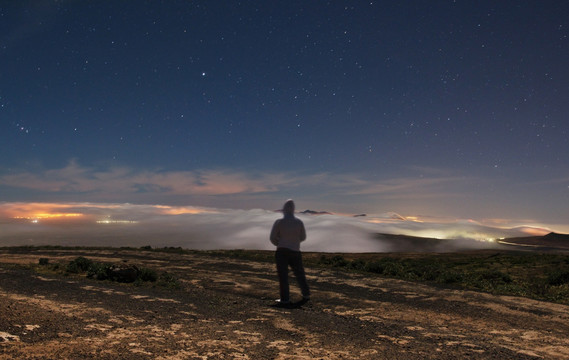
(289, 231)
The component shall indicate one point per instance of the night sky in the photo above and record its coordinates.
(451, 109)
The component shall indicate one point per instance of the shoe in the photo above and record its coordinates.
(283, 302)
(306, 298)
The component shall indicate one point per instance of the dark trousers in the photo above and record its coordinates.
(286, 258)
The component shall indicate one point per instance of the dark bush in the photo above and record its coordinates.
(335, 261)
(172, 249)
(72, 267)
(44, 261)
(431, 273)
(78, 265)
(123, 273)
(358, 264)
(450, 277)
(495, 276)
(417, 272)
(324, 260)
(558, 278)
(148, 275)
(339, 261)
(374, 267)
(392, 268)
(99, 271)
(168, 280)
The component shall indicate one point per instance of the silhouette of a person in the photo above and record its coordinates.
(287, 234)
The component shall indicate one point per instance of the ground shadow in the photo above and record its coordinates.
(291, 305)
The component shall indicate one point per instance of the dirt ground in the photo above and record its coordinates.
(225, 309)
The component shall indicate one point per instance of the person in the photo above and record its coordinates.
(287, 234)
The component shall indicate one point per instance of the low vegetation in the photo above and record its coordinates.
(542, 276)
(112, 272)
(538, 276)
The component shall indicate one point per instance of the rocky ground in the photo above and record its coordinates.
(225, 310)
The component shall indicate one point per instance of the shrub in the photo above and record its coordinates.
(334, 261)
(168, 280)
(324, 260)
(450, 277)
(44, 261)
(558, 278)
(171, 249)
(72, 267)
(99, 271)
(495, 276)
(431, 273)
(374, 267)
(148, 275)
(421, 271)
(392, 268)
(123, 273)
(339, 261)
(78, 265)
(358, 264)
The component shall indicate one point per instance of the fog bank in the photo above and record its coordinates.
(207, 229)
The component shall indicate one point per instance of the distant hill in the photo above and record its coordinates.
(551, 240)
(312, 212)
(406, 243)
(395, 216)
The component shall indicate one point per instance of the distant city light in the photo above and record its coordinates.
(48, 216)
(109, 221)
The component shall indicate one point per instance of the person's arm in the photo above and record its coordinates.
(275, 233)
(302, 232)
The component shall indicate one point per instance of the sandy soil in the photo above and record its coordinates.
(225, 310)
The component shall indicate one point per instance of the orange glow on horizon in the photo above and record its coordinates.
(39, 216)
(179, 210)
(60, 211)
(536, 231)
(39, 211)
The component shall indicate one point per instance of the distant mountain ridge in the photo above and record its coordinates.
(312, 212)
(407, 243)
(389, 215)
(551, 240)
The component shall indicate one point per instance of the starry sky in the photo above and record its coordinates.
(453, 109)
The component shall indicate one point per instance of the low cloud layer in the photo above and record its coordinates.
(88, 224)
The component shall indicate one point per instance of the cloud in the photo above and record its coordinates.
(126, 183)
(405, 187)
(420, 191)
(108, 224)
(74, 178)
